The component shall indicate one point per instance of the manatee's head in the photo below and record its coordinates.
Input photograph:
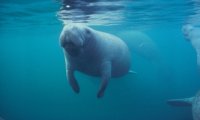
(187, 29)
(73, 38)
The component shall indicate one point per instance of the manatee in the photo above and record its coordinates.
(192, 34)
(194, 102)
(94, 53)
(141, 44)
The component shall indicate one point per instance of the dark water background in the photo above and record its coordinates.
(33, 83)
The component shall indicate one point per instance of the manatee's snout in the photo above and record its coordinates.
(70, 45)
(72, 49)
(73, 52)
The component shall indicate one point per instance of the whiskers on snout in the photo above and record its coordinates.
(71, 49)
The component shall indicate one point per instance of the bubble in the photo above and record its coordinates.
(67, 6)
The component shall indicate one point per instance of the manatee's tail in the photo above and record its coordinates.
(180, 102)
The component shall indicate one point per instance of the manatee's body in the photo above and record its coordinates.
(193, 101)
(192, 34)
(141, 44)
(94, 53)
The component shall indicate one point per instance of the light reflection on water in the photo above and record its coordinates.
(99, 12)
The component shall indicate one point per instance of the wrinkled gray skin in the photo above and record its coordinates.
(193, 101)
(94, 53)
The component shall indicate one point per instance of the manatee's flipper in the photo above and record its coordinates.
(70, 76)
(106, 75)
(72, 81)
(181, 102)
(132, 72)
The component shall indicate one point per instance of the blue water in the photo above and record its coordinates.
(33, 84)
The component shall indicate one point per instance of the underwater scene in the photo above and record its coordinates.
(99, 60)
